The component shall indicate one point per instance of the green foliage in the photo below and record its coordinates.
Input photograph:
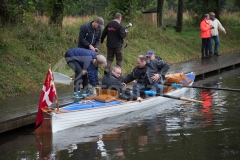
(127, 8)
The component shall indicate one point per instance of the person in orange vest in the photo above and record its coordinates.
(205, 28)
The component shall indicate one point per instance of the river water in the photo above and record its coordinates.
(181, 130)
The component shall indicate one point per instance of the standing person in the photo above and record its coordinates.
(89, 38)
(215, 23)
(115, 33)
(205, 35)
(83, 62)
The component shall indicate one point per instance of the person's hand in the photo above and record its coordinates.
(96, 50)
(91, 48)
(84, 72)
(155, 77)
(124, 84)
(139, 99)
(126, 30)
(225, 32)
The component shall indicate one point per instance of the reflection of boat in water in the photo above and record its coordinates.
(84, 112)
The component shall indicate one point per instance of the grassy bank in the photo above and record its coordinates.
(27, 49)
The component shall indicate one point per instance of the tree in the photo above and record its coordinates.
(56, 15)
(126, 7)
(179, 16)
(160, 5)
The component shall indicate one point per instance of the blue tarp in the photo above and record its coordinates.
(190, 76)
(94, 104)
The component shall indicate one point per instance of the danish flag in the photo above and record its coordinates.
(47, 96)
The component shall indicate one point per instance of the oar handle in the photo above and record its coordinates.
(190, 100)
(152, 93)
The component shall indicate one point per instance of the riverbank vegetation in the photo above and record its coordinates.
(27, 48)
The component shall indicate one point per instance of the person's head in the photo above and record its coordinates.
(99, 60)
(205, 16)
(98, 23)
(118, 17)
(141, 61)
(116, 71)
(212, 15)
(150, 55)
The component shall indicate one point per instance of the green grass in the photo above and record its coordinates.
(27, 49)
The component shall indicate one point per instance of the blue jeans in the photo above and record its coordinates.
(217, 41)
(137, 88)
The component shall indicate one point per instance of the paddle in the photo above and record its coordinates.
(175, 85)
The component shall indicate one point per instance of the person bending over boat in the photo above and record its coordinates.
(83, 62)
(149, 73)
(112, 81)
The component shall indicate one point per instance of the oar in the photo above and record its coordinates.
(175, 85)
(61, 78)
(152, 93)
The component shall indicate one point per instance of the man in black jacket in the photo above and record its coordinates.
(150, 76)
(112, 81)
(90, 34)
(89, 38)
(115, 33)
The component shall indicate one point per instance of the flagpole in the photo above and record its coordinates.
(57, 105)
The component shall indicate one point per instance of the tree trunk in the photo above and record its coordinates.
(217, 9)
(56, 17)
(205, 3)
(160, 4)
(4, 14)
(179, 16)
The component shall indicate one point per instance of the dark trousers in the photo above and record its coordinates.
(110, 57)
(79, 78)
(205, 46)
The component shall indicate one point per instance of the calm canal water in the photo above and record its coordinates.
(177, 130)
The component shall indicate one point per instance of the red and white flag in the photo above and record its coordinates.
(47, 96)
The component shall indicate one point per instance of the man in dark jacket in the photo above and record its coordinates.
(90, 34)
(115, 33)
(112, 81)
(139, 72)
(89, 38)
(150, 76)
(83, 62)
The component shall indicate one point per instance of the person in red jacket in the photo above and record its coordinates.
(205, 35)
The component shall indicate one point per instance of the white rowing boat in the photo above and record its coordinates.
(88, 111)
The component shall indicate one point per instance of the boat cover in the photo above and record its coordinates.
(81, 105)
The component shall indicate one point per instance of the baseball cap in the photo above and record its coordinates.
(149, 53)
(100, 21)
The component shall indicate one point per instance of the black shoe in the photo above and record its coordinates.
(210, 55)
(203, 58)
(216, 54)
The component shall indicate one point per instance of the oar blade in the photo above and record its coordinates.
(61, 78)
